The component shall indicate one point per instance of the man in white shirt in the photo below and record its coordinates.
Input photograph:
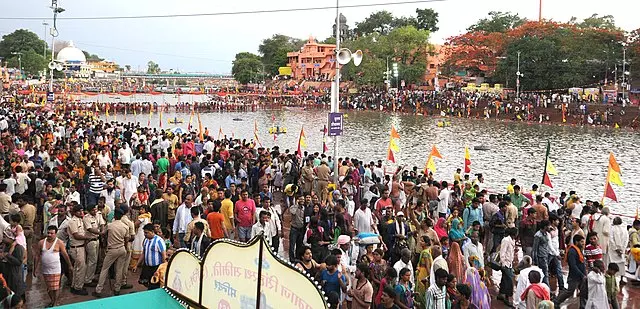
(22, 180)
(262, 226)
(274, 225)
(473, 248)
(125, 154)
(363, 218)
(209, 146)
(404, 262)
(550, 205)
(147, 166)
(443, 201)
(523, 280)
(183, 217)
(507, 251)
(104, 160)
(72, 196)
(129, 186)
(136, 166)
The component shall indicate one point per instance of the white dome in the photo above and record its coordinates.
(71, 54)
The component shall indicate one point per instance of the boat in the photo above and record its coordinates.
(237, 119)
(443, 124)
(277, 130)
(176, 121)
(481, 148)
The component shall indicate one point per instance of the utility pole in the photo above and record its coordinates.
(624, 71)
(335, 102)
(19, 54)
(540, 12)
(44, 38)
(54, 33)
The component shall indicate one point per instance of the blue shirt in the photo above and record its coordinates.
(153, 249)
(469, 215)
(229, 180)
(331, 281)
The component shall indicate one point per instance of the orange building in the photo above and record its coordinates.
(435, 60)
(314, 61)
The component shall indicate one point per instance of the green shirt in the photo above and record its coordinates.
(163, 165)
(611, 286)
(519, 200)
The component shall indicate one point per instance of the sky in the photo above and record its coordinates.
(209, 43)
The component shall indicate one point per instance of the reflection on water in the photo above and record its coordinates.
(517, 149)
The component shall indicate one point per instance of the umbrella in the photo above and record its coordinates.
(177, 130)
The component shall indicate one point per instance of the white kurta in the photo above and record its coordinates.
(523, 284)
(438, 263)
(597, 292)
(619, 240)
(602, 226)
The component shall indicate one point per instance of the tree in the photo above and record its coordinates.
(91, 57)
(378, 22)
(274, 51)
(497, 22)
(606, 22)
(21, 40)
(329, 40)
(247, 68)
(153, 68)
(127, 67)
(32, 62)
(427, 19)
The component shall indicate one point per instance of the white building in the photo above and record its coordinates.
(74, 62)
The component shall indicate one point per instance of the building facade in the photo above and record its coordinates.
(314, 61)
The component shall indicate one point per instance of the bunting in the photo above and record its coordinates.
(548, 168)
(467, 160)
(613, 177)
(302, 142)
(393, 145)
(430, 166)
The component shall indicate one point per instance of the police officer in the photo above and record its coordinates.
(94, 227)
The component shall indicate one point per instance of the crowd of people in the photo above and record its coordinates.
(84, 200)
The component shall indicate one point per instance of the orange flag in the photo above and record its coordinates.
(435, 152)
(613, 163)
(394, 133)
(467, 160)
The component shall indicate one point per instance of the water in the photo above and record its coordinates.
(517, 149)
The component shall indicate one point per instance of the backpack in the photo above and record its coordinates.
(295, 170)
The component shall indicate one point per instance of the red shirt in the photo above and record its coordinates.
(216, 220)
(244, 212)
(382, 204)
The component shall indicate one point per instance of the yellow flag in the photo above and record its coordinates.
(551, 169)
(614, 178)
(393, 145)
(431, 165)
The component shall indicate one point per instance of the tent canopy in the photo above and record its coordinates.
(158, 299)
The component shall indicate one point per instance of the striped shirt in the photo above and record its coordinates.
(153, 249)
(95, 184)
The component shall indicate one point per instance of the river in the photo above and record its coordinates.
(517, 149)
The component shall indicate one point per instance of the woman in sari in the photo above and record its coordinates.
(455, 260)
(441, 228)
(424, 266)
(456, 234)
(479, 293)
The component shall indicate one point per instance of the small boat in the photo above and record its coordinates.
(443, 124)
(277, 130)
(176, 121)
(237, 119)
(481, 148)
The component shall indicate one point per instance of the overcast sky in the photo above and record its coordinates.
(209, 44)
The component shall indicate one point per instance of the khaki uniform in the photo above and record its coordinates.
(116, 253)
(92, 247)
(129, 244)
(324, 173)
(29, 212)
(77, 252)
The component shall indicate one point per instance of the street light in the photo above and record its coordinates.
(518, 75)
(54, 33)
(44, 50)
(19, 61)
(394, 67)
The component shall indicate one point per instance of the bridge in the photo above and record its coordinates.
(167, 76)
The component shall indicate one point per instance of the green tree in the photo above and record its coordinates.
(91, 57)
(274, 51)
(497, 22)
(21, 40)
(379, 22)
(32, 62)
(427, 19)
(153, 68)
(247, 68)
(595, 21)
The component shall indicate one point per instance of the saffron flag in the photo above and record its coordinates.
(546, 180)
(467, 160)
(255, 132)
(393, 145)
(430, 166)
(190, 121)
(435, 152)
(613, 164)
(106, 110)
(609, 193)
(613, 177)
(302, 142)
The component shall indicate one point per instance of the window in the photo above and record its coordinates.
(432, 66)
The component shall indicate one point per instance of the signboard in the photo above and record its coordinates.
(335, 124)
(50, 96)
(284, 71)
(229, 275)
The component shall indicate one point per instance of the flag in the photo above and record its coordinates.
(467, 160)
(220, 133)
(430, 166)
(564, 113)
(302, 142)
(545, 174)
(613, 164)
(551, 169)
(393, 145)
(160, 117)
(200, 130)
(150, 114)
(106, 110)
(190, 120)
(609, 193)
(435, 152)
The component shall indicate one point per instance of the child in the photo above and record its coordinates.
(331, 279)
(444, 244)
(596, 286)
(612, 285)
(18, 232)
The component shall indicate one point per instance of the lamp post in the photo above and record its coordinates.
(518, 75)
(624, 71)
(54, 33)
(19, 61)
(44, 50)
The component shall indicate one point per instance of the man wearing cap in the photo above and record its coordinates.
(398, 231)
(77, 238)
(94, 226)
(117, 236)
(349, 253)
